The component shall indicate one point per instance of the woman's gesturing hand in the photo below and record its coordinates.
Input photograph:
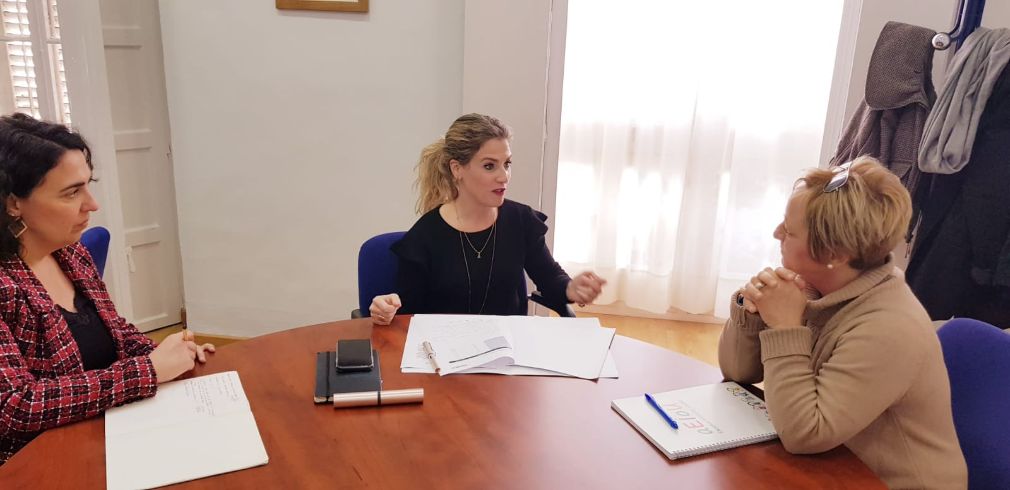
(584, 288)
(384, 307)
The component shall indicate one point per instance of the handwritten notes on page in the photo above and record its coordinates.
(191, 429)
(461, 342)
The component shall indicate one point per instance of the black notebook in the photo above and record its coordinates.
(329, 381)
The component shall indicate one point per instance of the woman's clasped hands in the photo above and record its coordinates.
(779, 296)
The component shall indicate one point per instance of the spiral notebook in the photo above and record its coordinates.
(710, 418)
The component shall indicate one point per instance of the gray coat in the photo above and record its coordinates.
(950, 129)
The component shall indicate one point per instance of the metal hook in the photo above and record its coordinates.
(941, 41)
(968, 19)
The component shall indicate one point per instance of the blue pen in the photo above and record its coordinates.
(652, 401)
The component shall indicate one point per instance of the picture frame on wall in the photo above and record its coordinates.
(327, 5)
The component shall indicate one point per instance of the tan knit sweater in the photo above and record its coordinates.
(866, 371)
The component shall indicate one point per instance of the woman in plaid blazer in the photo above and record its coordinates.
(65, 354)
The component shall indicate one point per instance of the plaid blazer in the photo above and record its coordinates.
(42, 380)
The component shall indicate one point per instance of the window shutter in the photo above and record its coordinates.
(19, 38)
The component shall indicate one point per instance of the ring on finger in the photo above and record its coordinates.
(759, 285)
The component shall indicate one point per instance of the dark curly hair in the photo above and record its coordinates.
(29, 148)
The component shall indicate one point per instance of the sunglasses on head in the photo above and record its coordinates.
(839, 179)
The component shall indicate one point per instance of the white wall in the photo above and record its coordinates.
(519, 81)
(294, 139)
(505, 60)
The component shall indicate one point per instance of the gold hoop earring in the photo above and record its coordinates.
(17, 227)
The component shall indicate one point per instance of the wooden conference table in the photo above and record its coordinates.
(472, 431)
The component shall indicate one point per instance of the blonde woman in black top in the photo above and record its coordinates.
(469, 250)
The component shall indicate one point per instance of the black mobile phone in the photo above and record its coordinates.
(354, 355)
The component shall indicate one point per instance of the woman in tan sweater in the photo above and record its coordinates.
(847, 353)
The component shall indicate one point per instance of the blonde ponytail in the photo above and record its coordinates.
(435, 182)
(434, 178)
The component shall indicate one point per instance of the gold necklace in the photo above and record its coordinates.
(466, 264)
(467, 235)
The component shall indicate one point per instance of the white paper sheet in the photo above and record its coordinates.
(546, 346)
(202, 426)
(573, 346)
(609, 370)
(464, 342)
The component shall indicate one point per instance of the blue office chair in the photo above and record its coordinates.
(96, 240)
(978, 364)
(377, 268)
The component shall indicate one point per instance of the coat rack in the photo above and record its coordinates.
(969, 17)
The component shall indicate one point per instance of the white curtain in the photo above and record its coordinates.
(684, 125)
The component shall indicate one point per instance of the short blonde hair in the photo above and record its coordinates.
(863, 219)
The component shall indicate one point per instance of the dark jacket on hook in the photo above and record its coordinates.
(899, 94)
(960, 264)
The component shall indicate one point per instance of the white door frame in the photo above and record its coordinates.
(556, 37)
(835, 117)
(91, 111)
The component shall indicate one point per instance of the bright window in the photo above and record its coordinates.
(35, 82)
(683, 128)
